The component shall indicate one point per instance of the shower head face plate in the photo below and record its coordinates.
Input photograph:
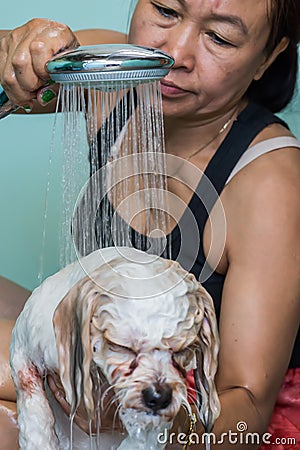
(109, 66)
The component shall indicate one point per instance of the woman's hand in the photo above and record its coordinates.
(109, 419)
(24, 53)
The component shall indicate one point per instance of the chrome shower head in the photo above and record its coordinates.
(110, 66)
(103, 67)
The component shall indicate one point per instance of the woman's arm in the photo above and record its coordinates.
(261, 298)
(3, 33)
(99, 36)
(25, 50)
(91, 36)
(8, 407)
(12, 299)
(7, 391)
(8, 426)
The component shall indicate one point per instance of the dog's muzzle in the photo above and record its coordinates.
(158, 396)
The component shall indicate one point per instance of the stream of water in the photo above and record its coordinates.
(113, 170)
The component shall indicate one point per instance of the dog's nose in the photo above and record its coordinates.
(158, 396)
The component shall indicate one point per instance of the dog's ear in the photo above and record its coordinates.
(72, 321)
(206, 357)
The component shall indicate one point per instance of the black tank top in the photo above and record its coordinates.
(187, 237)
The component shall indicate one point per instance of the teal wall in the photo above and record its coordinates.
(25, 148)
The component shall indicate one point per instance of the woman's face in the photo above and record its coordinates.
(218, 46)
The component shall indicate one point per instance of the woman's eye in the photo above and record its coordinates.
(218, 40)
(166, 12)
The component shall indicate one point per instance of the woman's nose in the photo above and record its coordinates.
(181, 44)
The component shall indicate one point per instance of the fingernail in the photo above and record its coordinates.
(48, 95)
(49, 83)
(27, 109)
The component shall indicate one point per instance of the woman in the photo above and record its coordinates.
(232, 59)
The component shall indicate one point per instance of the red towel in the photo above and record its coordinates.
(284, 426)
(285, 421)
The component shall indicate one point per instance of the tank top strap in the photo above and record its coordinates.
(253, 119)
(260, 149)
(248, 124)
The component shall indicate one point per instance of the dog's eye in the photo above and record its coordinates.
(183, 352)
(177, 364)
(133, 364)
(184, 356)
(119, 348)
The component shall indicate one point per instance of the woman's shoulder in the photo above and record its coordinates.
(274, 130)
(268, 184)
(262, 207)
(274, 152)
(273, 147)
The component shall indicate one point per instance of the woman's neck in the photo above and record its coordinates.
(183, 138)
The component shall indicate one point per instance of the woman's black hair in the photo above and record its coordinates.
(276, 87)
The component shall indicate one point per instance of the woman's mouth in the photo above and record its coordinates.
(169, 89)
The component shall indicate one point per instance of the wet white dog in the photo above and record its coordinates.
(139, 320)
